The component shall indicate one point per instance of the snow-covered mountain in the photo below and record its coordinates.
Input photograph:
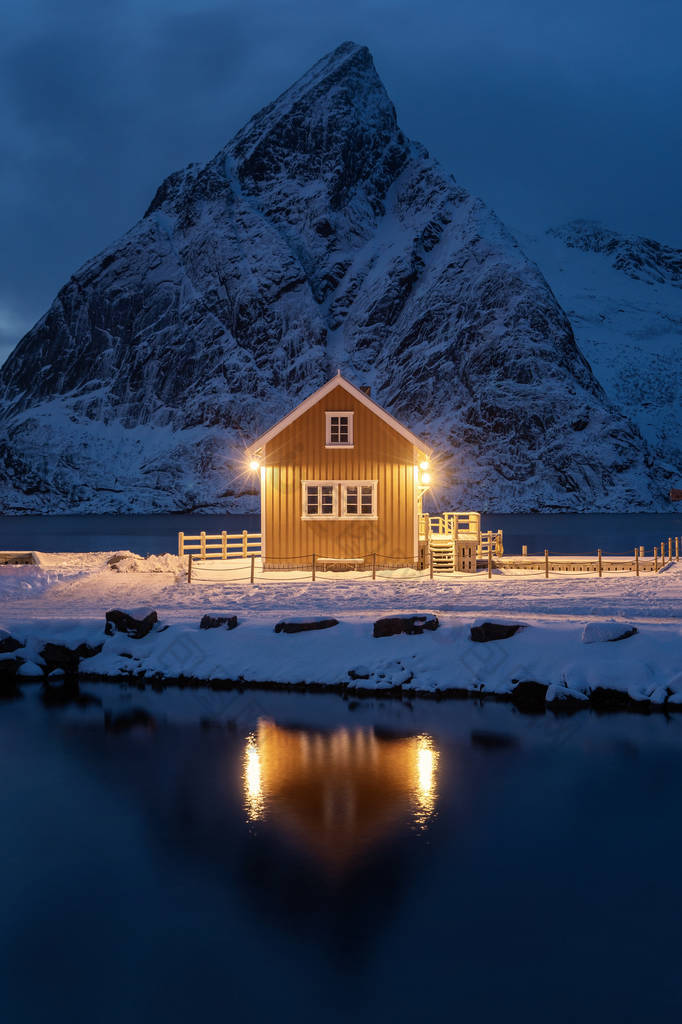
(623, 296)
(319, 237)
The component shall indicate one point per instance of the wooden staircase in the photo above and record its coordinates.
(442, 551)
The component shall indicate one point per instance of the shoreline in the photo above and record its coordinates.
(563, 654)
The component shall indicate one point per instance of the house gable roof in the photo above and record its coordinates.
(358, 395)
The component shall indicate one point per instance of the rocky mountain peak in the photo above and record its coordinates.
(642, 259)
(319, 237)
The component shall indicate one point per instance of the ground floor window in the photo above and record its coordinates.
(320, 499)
(339, 499)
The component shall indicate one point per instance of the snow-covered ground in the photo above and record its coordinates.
(64, 600)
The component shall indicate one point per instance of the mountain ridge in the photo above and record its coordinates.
(319, 236)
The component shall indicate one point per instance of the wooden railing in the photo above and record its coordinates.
(219, 545)
(452, 523)
(490, 541)
(456, 524)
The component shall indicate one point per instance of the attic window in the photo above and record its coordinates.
(339, 430)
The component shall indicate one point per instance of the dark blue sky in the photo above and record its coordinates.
(546, 110)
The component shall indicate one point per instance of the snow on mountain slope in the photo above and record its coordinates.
(623, 296)
(319, 237)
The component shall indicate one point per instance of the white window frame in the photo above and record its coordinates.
(328, 431)
(339, 500)
(305, 484)
(364, 517)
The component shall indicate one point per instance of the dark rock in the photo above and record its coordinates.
(625, 635)
(57, 656)
(529, 695)
(65, 658)
(88, 650)
(303, 625)
(9, 687)
(129, 719)
(607, 632)
(493, 631)
(359, 672)
(115, 559)
(133, 624)
(605, 699)
(493, 740)
(413, 625)
(8, 644)
(215, 621)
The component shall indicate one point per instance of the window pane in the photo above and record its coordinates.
(351, 501)
(339, 430)
(327, 501)
(366, 502)
(312, 501)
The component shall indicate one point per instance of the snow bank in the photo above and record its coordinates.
(64, 599)
(645, 666)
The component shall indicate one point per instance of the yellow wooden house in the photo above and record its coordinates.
(342, 480)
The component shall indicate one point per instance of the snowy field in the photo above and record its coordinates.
(64, 599)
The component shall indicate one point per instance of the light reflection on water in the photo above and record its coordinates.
(337, 793)
(384, 861)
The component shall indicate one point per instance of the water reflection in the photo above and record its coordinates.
(427, 764)
(337, 793)
(253, 788)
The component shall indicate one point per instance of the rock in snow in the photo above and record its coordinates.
(605, 632)
(319, 237)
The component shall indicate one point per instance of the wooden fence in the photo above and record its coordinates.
(219, 545)
(640, 561)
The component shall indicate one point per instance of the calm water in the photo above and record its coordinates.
(156, 534)
(308, 859)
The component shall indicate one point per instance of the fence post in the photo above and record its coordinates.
(641, 551)
(636, 561)
(374, 565)
(670, 549)
(677, 549)
(181, 544)
(189, 568)
(524, 551)
(244, 543)
(655, 558)
(599, 561)
(203, 544)
(490, 561)
(662, 554)
(224, 539)
(313, 566)
(430, 564)
(253, 566)
(546, 564)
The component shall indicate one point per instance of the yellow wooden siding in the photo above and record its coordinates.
(379, 453)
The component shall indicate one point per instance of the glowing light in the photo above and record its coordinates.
(426, 478)
(253, 786)
(424, 464)
(427, 764)
(254, 465)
